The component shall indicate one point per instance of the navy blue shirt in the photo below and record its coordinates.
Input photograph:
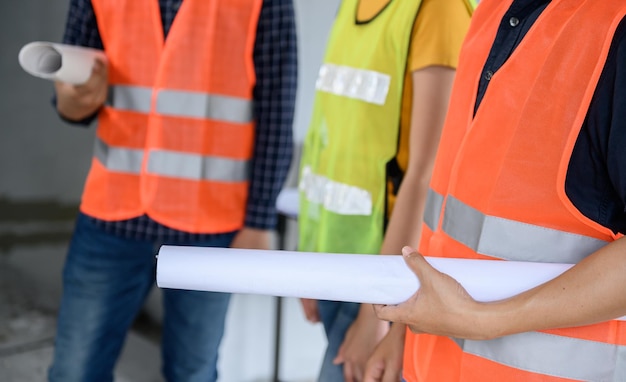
(275, 62)
(596, 176)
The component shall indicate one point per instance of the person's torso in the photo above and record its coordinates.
(176, 136)
(498, 189)
(354, 129)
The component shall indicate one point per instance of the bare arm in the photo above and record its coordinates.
(431, 92)
(592, 291)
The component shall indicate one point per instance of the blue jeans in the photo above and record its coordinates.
(336, 317)
(106, 280)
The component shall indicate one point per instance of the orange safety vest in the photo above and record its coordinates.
(175, 139)
(498, 190)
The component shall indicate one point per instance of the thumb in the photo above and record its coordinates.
(416, 262)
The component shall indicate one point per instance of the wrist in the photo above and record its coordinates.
(397, 331)
(76, 114)
(497, 319)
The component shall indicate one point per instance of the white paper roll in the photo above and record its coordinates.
(376, 279)
(59, 62)
(287, 202)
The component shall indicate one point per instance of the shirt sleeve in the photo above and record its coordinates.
(275, 61)
(438, 33)
(81, 29)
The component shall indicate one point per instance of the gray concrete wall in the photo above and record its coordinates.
(40, 157)
(42, 161)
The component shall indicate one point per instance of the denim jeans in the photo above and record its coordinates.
(106, 280)
(336, 318)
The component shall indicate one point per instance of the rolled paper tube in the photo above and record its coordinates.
(59, 62)
(287, 202)
(376, 279)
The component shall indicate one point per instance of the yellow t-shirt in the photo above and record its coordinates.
(437, 37)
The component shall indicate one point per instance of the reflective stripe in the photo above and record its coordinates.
(172, 164)
(118, 159)
(559, 356)
(197, 167)
(432, 210)
(200, 105)
(132, 98)
(181, 103)
(336, 197)
(459, 341)
(535, 352)
(365, 85)
(514, 240)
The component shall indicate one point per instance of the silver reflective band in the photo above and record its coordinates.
(118, 159)
(336, 197)
(131, 98)
(172, 164)
(201, 105)
(197, 167)
(181, 103)
(361, 84)
(554, 355)
(432, 210)
(514, 240)
(506, 239)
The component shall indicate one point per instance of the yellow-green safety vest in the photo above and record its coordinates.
(354, 130)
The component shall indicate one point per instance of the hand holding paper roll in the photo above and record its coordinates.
(78, 102)
(376, 279)
(59, 62)
(80, 75)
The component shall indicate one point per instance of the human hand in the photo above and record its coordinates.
(311, 312)
(385, 364)
(441, 306)
(360, 340)
(251, 238)
(76, 102)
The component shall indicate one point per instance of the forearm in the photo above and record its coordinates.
(592, 291)
(406, 219)
(431, 93)
(397, 332)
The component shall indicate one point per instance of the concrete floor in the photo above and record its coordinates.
(27, 329)
(30, 277)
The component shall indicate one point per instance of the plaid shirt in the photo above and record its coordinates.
(275, 61)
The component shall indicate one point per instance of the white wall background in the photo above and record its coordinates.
(314, 20)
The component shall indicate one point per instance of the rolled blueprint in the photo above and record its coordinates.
(377, 279)
(287, 202)
(59, 62)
